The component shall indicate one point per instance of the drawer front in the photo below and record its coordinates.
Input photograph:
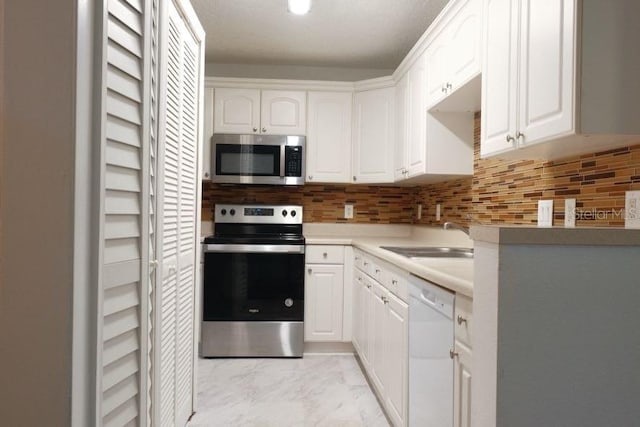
(397, 284)
(463, 319)
(358, 259)
(325, 254)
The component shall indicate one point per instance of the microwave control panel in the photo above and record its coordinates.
(293, 161)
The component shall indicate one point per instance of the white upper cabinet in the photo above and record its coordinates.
(329, 137)
(207, 132)
(402, 116)
(270, 112)
(237, 111)
(417, 138)
(453, 57)
(552, 83)
(284, 112)
(373, 134)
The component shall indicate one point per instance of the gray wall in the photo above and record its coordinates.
(294, 72)
(36, 211)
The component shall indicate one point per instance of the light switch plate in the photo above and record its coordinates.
(545, 213)
(438, 212)
(569, 213)
(632, 209)
(348, 211)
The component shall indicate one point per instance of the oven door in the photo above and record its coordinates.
(253, 282)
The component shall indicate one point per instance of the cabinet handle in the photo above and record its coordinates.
(359, 279)
(377, 270)
(394, 282)
(309, 271)
(453, 354)
(510, 138)
(449, 86)
(444, 89)
(519, 135)
(310, 177)
(357, 258)
(255, 129)
(366, 263)
(461, 320)
(368, 286)
(264, 130)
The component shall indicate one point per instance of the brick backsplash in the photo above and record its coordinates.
(500, 192)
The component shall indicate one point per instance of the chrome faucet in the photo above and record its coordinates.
(454, 226)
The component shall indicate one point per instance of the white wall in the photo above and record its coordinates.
(295, 72)
(36, 187)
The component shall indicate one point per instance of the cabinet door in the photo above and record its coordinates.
(402, 123)
(329, 137)
(435, 57)
(378, 336)
(546, 89)
(417, 134)
(323, 303)
(499, 77)
(236, 111)
(358, 295)
(462, 386)
(373, 136)
(207, 133)
(397, 355)
(283, 112)
(366, 320)
(463, 48)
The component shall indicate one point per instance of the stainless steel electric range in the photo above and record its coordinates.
(253, 291)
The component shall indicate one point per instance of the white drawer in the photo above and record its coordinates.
(324, 254)
(396, 282)
(463, 319)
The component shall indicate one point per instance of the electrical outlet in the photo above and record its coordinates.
(348, 211)
(545, 213)
(438, 212)
(419, 215)
(569, 213)
(632, 209)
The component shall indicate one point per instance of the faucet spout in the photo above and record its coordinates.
(454, 226)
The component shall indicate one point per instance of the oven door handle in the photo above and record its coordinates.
(254, 249)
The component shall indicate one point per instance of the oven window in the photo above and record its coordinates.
(256, 286)
(247, 160)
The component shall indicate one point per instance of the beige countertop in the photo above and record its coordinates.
(455, 274)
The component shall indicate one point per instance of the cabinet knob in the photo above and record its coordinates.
(461, 320)
(264, 129)
(449, 86)
(368, 286)
(394, 282)
(377, 270)
(255, 129)
(453, 354)
(444, 89)
(355, 179)
(309, 271)
(519, 135)
(324, 255)
(366, 263)
(206, 174)
(510, 138)
(310, 177)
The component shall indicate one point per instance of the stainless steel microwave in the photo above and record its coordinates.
(258, 159)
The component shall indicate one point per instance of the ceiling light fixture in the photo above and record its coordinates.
(299, 7)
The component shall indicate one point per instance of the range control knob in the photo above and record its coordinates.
(232, 211)
(284, 212)
(223, 211)
(293, 213)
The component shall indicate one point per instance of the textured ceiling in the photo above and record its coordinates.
(335, 33)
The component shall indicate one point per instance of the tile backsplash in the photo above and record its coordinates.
(500, 192)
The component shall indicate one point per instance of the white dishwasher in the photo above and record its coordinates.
(430, 364)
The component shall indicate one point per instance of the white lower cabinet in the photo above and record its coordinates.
(380, 335)
(323, 302)
(324, 296)
(462, 385)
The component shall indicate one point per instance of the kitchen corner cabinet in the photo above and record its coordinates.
(373, 136)
(453, 58)
(554, 83)
(324, 293)
(252, 111)
(329, 137)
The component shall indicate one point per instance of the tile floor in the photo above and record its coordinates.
(317, 390)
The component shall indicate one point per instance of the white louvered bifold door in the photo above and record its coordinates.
(125, 185)
(179, 124)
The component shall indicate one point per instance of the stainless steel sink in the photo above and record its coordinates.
(430, 252)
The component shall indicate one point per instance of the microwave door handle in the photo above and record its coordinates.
(282, 152)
